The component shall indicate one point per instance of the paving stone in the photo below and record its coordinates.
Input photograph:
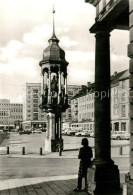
(38, 188)
(22, 191)
(5, 192)
(13, 191)
(30, 190)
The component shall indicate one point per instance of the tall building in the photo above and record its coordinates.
(32, 114)
(10, 113)
(72, 90)
(82, 104)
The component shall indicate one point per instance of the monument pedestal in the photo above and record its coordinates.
(103, 178)
(53, 145)
(129, 183)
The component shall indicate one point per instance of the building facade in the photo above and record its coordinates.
(10, 113)
(82, 104)
(72, 90)
(32, 114)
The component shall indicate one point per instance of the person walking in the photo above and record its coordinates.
(85, 155)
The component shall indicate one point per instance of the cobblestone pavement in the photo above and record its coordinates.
(59, 187)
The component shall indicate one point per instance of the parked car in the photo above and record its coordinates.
(25, 132)
(86, 133)
(43, 129)
(92, 134)
(79, 133)
(70, 132)
(127, 136)
(37, 131)
(119, 135)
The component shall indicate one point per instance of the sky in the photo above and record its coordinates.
(26, 26)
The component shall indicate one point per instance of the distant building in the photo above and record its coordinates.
(32, 114)
(82, 104)
(10, 113)
(31, 100)
(72, 90)
(120, 101)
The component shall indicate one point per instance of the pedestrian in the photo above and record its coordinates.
(85, 155)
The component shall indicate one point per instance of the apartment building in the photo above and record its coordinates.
(32, 114)
(72, 90)
(82, 104)
(120, 101)
(10, 113)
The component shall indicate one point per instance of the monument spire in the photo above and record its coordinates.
(53, 38)
(53, 20)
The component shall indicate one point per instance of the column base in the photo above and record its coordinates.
(52, 145)
(129, 184)
(103, 179)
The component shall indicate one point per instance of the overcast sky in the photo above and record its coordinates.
(26, 26)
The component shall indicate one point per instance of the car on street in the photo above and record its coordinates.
(119, 135)
(78, 134)
(127, 136)
(43, 129)
(92, 134)
(37, 131)
(25, 132)
(71, 132)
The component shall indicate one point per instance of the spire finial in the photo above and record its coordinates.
(53, 38)
(53, 20)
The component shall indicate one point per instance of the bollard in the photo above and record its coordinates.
(23, 150)
(7, 149)
(60, 152)
(120, 151)
(40, 151)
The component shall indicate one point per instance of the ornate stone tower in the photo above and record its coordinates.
(54, 91)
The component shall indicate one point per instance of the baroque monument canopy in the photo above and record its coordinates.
(53, 55)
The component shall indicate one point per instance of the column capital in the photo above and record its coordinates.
(102, 26)
(100, 34)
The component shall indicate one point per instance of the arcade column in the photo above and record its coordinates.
(103, 176)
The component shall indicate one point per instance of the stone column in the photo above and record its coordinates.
(103, 176)
(65, 84)
(129, 176)
(59, 86)
(49, 87)
(50, 141)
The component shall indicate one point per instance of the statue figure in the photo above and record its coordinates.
(54, 84)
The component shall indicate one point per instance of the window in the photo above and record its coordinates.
(123, 126)
(123, 96)
(123, 84)
(123, 110)
(35, 101)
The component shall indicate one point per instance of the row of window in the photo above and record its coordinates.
(10, 123)
(85, 116)
(116, 111)
(11, 117)
(88, 106)
(12, 110)
(88, 97)
(10, 104)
